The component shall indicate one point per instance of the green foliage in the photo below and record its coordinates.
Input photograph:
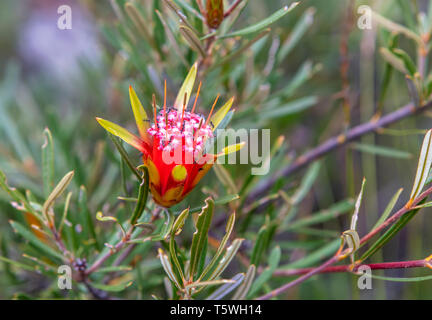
(70, 194)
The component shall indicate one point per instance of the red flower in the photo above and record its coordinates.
(173, 146)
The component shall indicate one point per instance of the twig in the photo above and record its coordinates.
(335, 142)
(232, 8)
(342, 255)
(347, 268)
(297, 281)
(108, 254)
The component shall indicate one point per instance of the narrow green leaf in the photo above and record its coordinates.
(228, 229)
(18, 264)
(423, 167)
(112, 287)
(260, 245)
(142, 197)
(226, 259)
(57, 192)
(113, 269)
(166, 264)
(48, 162)
(296, 34)
(200, 236)
(331, 213)
(265, 276)
(263, 23)
(388, 209)
(382, 151)
(193, 41)
(394, 279)
(389, 234)
(28, 235)
(227, 288)
(395, 27)
(242, 291)
(289, 108)
(166, 228)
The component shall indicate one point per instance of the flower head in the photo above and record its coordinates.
(174, 145)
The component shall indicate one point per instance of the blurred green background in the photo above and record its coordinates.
(290, 81)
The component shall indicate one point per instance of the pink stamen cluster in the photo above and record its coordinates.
(186, 129)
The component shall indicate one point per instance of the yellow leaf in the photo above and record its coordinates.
(221, 113)
(186, 87)
(230, 149)
(140, 115)
(122, 133)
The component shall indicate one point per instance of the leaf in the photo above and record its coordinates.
(315, 256)
(382, 151)
(86, 217)
(260, 245)
(179, 222)
(297, 33)
(394, 279)
(48, 162)
(226, 259)
(28, 235)
(217, 118)
(113, 269)
(171, 38)
(289, 108)
(306, 183)
(389, 234)
(423, 167)
(228, 229)
(186, 88)
(177, 227)
(273, 263)
(231, 149)
(225, 178)
(112, 287)
(242, 291)
(227, 288)
(222, 200)
(388, 209)
(57, 192)
(354, 217)
(125, 156)
(181, 15)
(140, 115)
(408, 63)
(395, 27)
(240, 51)
(263, 23)
(142, 196)
(166, 264)
(18, 264)
(209, 283)
(193, 41)
(200, 236)
(331, 213)
(17, 196)
(166, 228)
(393, 60)
(122, 133)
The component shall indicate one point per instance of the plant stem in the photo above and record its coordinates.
(342, 255)
(108, 254)
(347, 268)
(335, 142)
(232, 8)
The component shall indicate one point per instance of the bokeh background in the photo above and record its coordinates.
(292, 81)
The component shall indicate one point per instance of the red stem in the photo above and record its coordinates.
(346, 268)
(341, 255)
